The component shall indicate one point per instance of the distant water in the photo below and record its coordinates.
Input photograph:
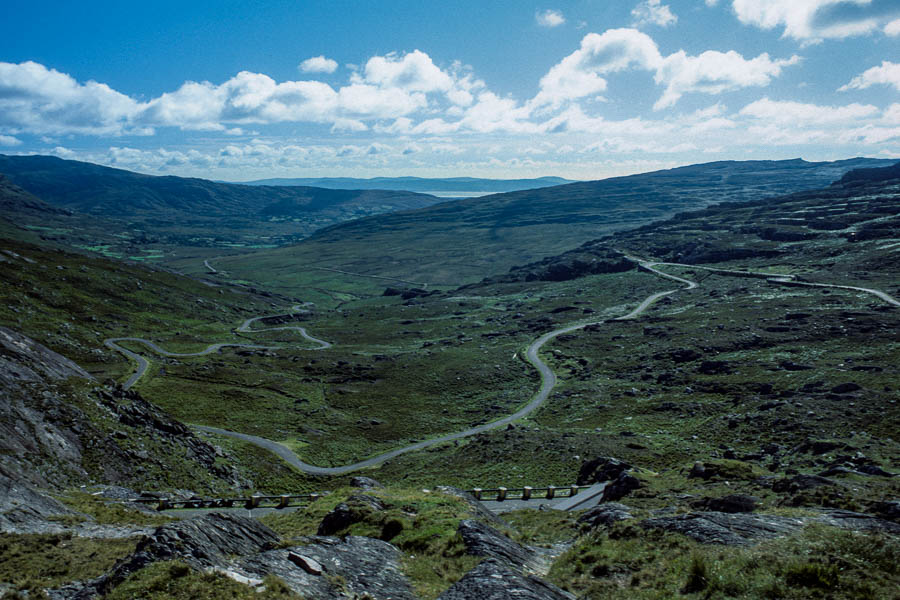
(458, 194)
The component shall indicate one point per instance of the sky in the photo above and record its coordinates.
(584, 89)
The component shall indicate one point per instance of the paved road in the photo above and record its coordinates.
(548, 382)
(548, 378)
(774, 278)
(144, 364)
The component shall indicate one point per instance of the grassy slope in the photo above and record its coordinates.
(458, 242)
(161, 219)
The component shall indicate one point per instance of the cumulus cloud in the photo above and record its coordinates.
(887, 73)
(893, 28)
(651, 12)
(581, 73)
(39, 100)
(318, 64)
(9, 141)
(549, 18)
(714, 72)
(814, 20)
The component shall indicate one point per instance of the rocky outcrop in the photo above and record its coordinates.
(329, 568)
(600, 469)
(493, 580)
(620, 487)
(725, 528)
(356, 509)
(734, 503)
(484, 540)
(583, 261)
(203, 542)
(55, 433)
(747, 529)
(604, 515)
(477, 508)
(365, 483)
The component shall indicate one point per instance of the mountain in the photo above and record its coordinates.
(847, 230)
(445, 186)
(465, 240)
(99, 190)
(160, 214)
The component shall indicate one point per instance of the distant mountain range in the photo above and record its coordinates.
(445, 186)
(179, 211)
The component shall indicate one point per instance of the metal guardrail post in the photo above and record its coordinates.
(551, 492)
(501, 494)
(526, 493)
(477, 493)
(284, 502)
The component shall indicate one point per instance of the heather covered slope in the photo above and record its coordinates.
(456, 242)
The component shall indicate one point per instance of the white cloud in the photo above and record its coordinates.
(814, 20)
(39, 100)
(579, 75)
(887, 73)
(712, 2)
(549, 18)
(893, 28)
(9, 141)
(414, 71)
(802, 114)
(651, 12)
(714, 72)
(318, 64)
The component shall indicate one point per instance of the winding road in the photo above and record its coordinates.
(144, 364)
(548, 377)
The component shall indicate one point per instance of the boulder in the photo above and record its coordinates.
(600, 469)
(329, 568)
(734, 503)
(365, 483)
(800, 482)
(492, 580)
(604, 515)
(620, 487)
(484, 540)
(356, 509)
(725, 528)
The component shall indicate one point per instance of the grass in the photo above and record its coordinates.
(35, 562)
(421, 524)
(819, 562)
(176, 580)
(108, 513)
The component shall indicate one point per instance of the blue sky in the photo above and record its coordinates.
(582, 89)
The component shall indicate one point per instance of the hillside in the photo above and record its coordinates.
(447, 185)
(461, 241)
(743, 428)
(131, 214)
